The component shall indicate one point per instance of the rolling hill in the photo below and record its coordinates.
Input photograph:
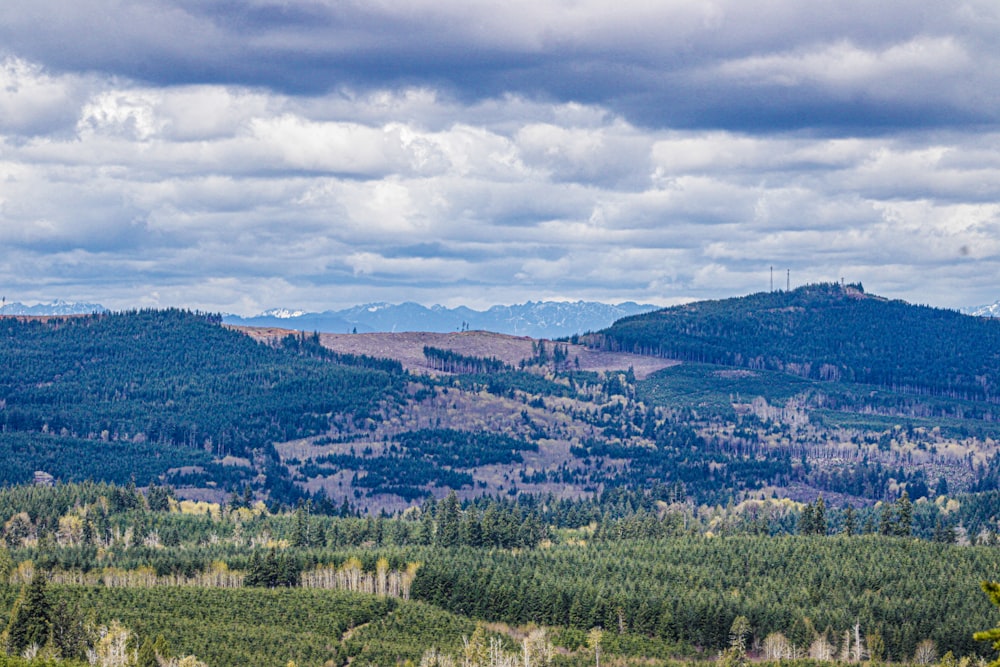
(826, 332)
(824, 389)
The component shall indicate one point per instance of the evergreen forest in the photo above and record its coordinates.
(801, 477)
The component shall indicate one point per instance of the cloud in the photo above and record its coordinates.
(727, 64)
(281, 194)
(33, 102)
(238, 155)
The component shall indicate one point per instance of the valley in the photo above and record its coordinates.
(644, 481)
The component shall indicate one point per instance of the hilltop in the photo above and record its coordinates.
(826, 332)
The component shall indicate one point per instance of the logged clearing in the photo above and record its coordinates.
(408, 349)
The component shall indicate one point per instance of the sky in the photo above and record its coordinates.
(239, 155)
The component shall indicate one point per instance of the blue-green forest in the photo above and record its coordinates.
(804, 476)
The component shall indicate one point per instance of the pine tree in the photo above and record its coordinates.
(449, 518)
(850, 521)
(806, 523)
(992, 589)
(886, 520)
(904, 515)
(300, 528)
(819, 517)
(31, 618)
(147, 655)
(69, 636)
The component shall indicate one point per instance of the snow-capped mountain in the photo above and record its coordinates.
(992, 310)
(57, 307)
(283, 313)
(541, 319)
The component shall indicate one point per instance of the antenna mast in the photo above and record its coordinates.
(788, 280)
(772, 278)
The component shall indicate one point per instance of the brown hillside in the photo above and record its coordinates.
(408, 349)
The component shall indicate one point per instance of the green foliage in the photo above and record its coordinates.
(232, 627)
(464, 449)
(31, 618)
(175, 379)
(405, 634)
(272, 571)
(826, 332)
(992, 590)
(75, 459)
(689, 590)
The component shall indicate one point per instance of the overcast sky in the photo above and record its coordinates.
(236, 155)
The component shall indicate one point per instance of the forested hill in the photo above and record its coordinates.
(826, 332)
(172, 379)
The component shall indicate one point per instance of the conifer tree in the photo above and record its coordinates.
(850, 521)
(806, 524)
(147, 655)
(992, 589)
(819, 517)
(31, 618)
(300, 528)
(449, 518)
(886, 520)
(69, 636)
(904, 515)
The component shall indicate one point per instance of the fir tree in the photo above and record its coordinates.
(886, 524)
(819, 517)
(904, 516)
(31, 619)
(449, 518)
(69, 636)
(850, 521)
(300, 528)
(992, 589)
(806, 523)
(146, 656)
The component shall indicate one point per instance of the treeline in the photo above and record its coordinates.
(643, 564)
(71, 522)
(311, 345)
(449, 361)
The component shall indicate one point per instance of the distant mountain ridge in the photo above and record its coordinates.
(537, 319)
(991, 310)
(57, 307)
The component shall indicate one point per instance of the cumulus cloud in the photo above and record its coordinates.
(235, 156)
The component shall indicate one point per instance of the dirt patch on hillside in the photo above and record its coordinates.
(408, 349)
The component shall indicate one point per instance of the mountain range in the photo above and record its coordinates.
(990, 310)
(537, 319)
(57, 307)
